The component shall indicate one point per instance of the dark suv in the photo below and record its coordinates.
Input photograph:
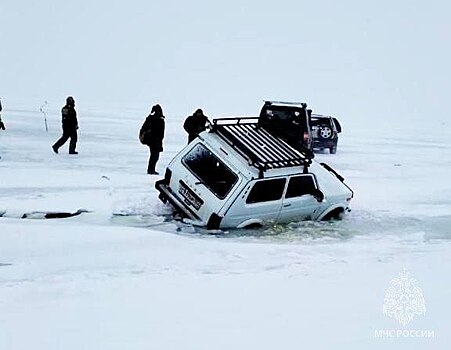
(325, 130)
(289, 121)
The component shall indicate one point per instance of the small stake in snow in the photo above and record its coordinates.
(45, 115)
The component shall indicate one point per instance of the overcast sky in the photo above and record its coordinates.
(359, 59)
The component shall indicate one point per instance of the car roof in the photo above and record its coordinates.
(319, 116)
(285, 104)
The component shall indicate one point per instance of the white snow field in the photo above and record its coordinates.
(124, 276)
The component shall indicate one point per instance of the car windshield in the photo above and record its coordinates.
(210, 170)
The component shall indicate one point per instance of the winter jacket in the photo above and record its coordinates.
(69, 118)
(2, 126)
(194, 125)
(152, 132)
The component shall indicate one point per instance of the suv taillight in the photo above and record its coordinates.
(306, 137)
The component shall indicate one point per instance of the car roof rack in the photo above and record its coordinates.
(263, 150)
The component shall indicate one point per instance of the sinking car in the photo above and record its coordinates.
(238, 175)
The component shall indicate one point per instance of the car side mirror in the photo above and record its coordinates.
(318, 194)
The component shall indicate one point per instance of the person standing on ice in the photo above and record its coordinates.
(70, 126)
(152, 134)
(2, 126)
(195, 124)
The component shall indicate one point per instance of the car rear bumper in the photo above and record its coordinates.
(166, 195)
(324, 144)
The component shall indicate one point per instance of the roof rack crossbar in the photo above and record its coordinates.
(263, 150)
(263, 143)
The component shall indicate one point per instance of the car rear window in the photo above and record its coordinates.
(300, 185)
(320, 121)
(210, 170)
(266, 190)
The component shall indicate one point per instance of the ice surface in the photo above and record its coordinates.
(125, 275)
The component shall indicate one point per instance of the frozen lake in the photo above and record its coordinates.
(124, 275)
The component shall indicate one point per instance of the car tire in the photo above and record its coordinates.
(336, 214)
(325, 132)
(333, 150)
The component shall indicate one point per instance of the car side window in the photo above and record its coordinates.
(300, 185)
(266, 190)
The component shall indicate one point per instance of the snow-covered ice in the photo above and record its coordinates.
(125, 276)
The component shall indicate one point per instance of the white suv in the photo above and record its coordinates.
(236, 174)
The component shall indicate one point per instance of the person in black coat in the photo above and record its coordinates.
(152, 134)
(195, 124)
(2, 126)
(70, 126)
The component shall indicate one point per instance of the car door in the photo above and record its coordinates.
(259, 202)
(299, 202)
(207, 183)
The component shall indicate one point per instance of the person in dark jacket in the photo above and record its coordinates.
(2, 126)
(70, 126)
(152, 134)
(195, 124)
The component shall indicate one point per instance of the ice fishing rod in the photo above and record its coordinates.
(45, 115)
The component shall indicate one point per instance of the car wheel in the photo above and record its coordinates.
(325, 132)
(336, 214)
(333, 150)
(254, 226)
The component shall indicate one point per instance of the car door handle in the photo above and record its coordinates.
(287, 205)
